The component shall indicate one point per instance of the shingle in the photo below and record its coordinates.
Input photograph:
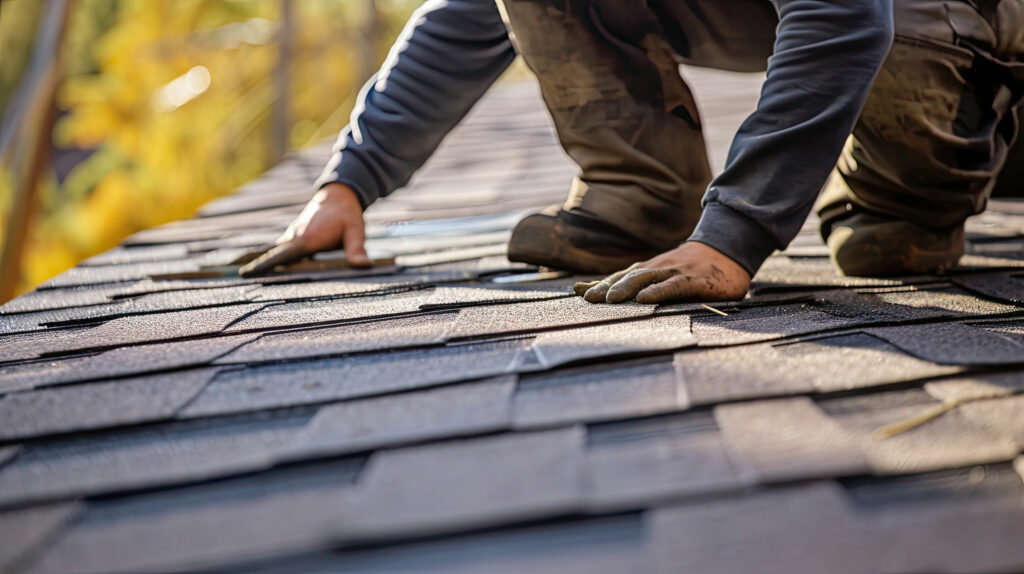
(36, 321)
(30, 345)
(961, 520)
(124, 255)
(467, 484)
(351, 287)
(451, 255)
(665, 333)
(1004, 416)
(639, 463)
(910, 303)
(1003, 207)
(177, 233)
(599, 392)
(406, 245)
(945, 301)
(780, 272)
(160, 301)
(8, 453)
(172, 301)
(829, 364)
(532, 317)
(24, 532)
(124, 361)
(599, 545)
(976, 385)
(1011, 247)
(249, 238)
(456, 296)
(947, 441)
(953, 344)
(456, 225)
(350, 338)
(28, 375)
(561, 281)
(763, 324)
(803, 529)
(1011, 328)
(79, 276)
(300, 383)
(157, 327)
(239, 203)
(99, 405)
(63, 298)
(147, 457)
(416, 416)
(1005, 286)
(972, 263)
(335, 310)
(787, 439)
(805, 250)
(207, 525)
(482, 268)
(402, 209)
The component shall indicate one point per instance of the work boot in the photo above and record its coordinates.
(866, 244)
(565, 240)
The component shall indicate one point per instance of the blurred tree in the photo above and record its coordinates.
(173, 99)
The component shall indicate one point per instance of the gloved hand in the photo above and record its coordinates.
(332, 219)
(691, 272)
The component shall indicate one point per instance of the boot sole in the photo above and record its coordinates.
(536, 241)
(880, 258)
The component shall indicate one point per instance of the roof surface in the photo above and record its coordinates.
(458, 413)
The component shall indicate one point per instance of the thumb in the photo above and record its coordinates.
(355, 252)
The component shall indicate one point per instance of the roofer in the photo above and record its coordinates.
(926, 152)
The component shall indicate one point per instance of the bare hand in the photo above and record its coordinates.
(691, 272)
(332, 219)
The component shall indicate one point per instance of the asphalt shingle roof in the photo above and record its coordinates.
(458, 413)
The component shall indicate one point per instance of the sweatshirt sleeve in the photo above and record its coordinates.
(827, 54)
(448, 55)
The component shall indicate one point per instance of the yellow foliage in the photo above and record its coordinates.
(175, 96)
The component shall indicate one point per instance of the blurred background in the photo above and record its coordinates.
(119, 115)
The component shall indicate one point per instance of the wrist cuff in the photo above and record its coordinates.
(352, 173)
(735, 235)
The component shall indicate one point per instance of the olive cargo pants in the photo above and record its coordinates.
(941, 128)
(609, 74)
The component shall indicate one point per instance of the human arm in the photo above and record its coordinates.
(448, 55)
(827, 53)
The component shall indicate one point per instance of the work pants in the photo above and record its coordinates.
(941, 128)
(609, 74)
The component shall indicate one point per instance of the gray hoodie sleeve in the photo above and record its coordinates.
(827, 53)
(448, 55)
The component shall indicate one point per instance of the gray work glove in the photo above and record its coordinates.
(691, 272)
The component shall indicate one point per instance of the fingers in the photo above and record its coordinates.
(582, 287)
(354, 238)
(626, 288)
(279, 255)
(597, 293)
(677, 288)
